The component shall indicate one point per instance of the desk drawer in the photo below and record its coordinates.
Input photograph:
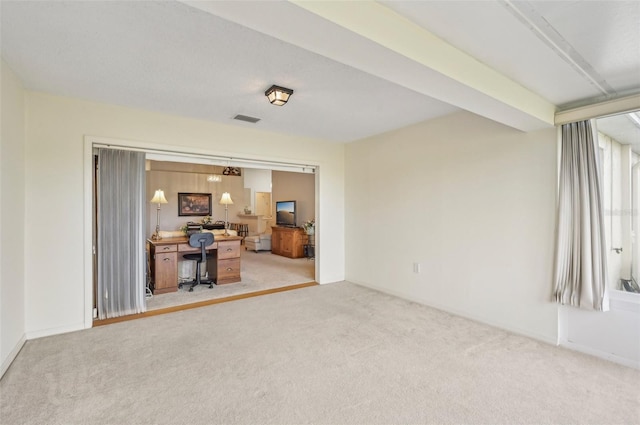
(228, 271)
(166, 248)
(165, 272)
(228, 249)
(185, 247)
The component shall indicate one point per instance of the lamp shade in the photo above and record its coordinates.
(158, 197)
(226, 199)
(278, 95)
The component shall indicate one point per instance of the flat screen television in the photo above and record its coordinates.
(286, 213)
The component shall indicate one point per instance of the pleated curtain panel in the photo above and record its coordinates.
(581, 262)
(121, 249)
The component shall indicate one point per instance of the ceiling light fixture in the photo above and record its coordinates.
(278, 95)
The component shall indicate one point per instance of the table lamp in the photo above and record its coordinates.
(226, 201)
(158, 198)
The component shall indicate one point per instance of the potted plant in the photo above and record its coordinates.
(310, 226)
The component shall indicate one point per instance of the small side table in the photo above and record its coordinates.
(310, 247)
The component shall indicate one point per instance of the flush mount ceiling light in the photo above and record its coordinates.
(278, 95)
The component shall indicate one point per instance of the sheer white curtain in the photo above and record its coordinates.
(121, 249)
(581, 261)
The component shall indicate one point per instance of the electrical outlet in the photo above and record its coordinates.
(416, 267)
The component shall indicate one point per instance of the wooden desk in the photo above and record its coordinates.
(223, 263)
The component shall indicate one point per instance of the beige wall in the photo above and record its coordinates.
(297, 187)
(12, 218)
(58, 289)
(469, 200)
(286, 186)
(190, 181)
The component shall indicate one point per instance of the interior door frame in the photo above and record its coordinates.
(92, 142)
(635, 221)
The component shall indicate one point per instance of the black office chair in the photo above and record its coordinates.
(199, 240)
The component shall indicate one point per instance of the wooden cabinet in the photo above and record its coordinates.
(223, 263)
(288, 241)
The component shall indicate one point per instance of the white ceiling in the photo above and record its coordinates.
(357, 68)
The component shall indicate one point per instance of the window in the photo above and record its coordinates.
(619, 142)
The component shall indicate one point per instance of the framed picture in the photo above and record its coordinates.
(194, 204)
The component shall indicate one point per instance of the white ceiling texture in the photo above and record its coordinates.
(357, 68)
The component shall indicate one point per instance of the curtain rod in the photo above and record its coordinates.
(599, 110)
(236, 160)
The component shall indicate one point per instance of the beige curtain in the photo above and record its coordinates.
(581, 262)
(121, 243)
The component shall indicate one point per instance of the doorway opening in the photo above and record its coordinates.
(196, 160)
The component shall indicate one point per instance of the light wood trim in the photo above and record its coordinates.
(198, 304)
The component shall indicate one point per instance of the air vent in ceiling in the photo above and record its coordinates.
(246, 118)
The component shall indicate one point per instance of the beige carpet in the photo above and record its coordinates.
(259, 271)
(329, 354)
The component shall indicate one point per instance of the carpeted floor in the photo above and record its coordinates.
(259, 271)
(328, 354)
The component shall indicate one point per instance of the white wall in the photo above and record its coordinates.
(469, 200)
(613, 335)
(56, 130)
(12, 222)
(255, 180)
(616, 172)
(611, 195)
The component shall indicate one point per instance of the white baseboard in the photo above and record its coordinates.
(56, 331)
(12, 355)
(539, 337)
(562, 341)
(601, 354)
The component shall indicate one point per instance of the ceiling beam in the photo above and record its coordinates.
(387, 28)
(370, 37)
